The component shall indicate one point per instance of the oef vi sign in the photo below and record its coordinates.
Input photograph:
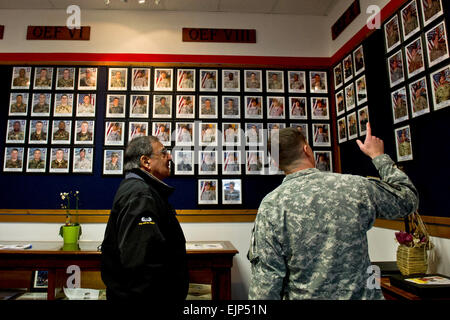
(58, 33)
(219, 35)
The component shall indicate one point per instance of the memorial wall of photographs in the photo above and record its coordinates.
(417, 52)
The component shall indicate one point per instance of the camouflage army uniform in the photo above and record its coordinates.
(18, 108)
(404, 149)
(117, 83)
(162, 109)
(206, 111)
(61, 135)
(59, 165)
(38, 136)
(112, 166)
(63, 109)
(43, 82)
(63, 83)
(421, 103)
(443, 92)
(84, 136)
(16, 135)
(10, 164)
(309, 240)
(21, 82)
(36, 164)
(432, 10)
(41, 108)
(400, 110)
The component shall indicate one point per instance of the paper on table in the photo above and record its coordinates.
(81, 294)
(15, 246)
(433, 280)
(203, 246)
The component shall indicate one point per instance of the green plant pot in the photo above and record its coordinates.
(71, 234)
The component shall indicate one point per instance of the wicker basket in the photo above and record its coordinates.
(411, 260)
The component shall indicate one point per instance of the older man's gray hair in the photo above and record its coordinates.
(138, 147)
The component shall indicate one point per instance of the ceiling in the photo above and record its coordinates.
(296, 7)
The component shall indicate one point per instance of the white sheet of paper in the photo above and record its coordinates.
(203, 246)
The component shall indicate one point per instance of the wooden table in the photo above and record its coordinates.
(206, 266)
(391, 292)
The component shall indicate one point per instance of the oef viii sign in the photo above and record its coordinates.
(219, 35)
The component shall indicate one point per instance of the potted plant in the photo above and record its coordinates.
(71, 230)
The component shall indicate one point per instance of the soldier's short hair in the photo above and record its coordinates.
(290, 143)
(138, 147)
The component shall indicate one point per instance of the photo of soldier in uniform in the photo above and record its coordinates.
(302, 128)
(162, 106)
(361, 90)
(323, 160)
(352, 126)
(414, 58)
(254, 134)
(83, 159)
(163, 80)
(115, 105)
(137, 129)
(403, 144)
(13, 160)
(340, 102)
(231, 134)
(41, 104)
(184, 134)
(208, 162)
(186, 80)
(410, 20)
(231, 80)
(253, 80)
(207, 191)
(84, 132)
(65, 78)
(358, 60)
(350, 100)
(253, 107)
(231, 163)
(297, 81)
(231, 107)
(21, 78)
(63, 105)
(440, 84)
(418, 93)
(18, 104)
(363, 119)
(319, 108)
(231, 191)
(392, 33)
(114, 133)
(348, 68)
(86, 104)
(117, 78)
(184, 162)
(113, 162)
(254, 162)
(163, 131)
(338, 76)
(208, 134)
(399, 105)
(15, 132)
(431, 9)
(185, 107)
(275, 81)
(139, 106)
(437, 44)
(61, 131)
(59, 160)
(275, 108)
(38, 132)
(395, 65)
(318, 81)
(208, 80)
(87, 78)
(43, 77)
(274, 128)
(36, 160)
(208, 107)
(342, 130)
(321, 135)
(298, 108)
(140, 79)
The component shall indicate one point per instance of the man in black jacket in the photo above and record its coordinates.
(144, 250)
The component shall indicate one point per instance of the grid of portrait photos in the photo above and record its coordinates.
(51, 120)
(417, 59)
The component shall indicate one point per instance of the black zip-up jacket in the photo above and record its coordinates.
(144, 249)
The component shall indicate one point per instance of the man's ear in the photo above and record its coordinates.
(145, 161)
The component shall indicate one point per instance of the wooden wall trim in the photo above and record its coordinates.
(436, 226)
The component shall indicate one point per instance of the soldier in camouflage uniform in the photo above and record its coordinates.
(22, 80)
(443, 90)
(432, 7)
(61, 133)
(16, 133)
(113, 164)
(14, 162)
(117, 81)
(66, 81)
(116, 107)
(59, 162)
(42, 106)
(207, 109)
(64, 106)
(43, 80)
(36, 162)
(309, 240)
(39, 134)
(19, 106)
(162, 108)
(400, 109)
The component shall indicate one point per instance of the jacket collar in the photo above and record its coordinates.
(301, 173)
(160, 186)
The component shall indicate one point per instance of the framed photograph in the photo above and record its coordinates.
(208, 80)
(185, 132)
(363, 119)
(139, 105)
(403, 143)
(38, 132)
(83, 159)
(117, 79)
(440, 87)
(395, 65)
(16, 130)
(86, 104)
(61, 131)
(138, 129)
(274, 128)
(140, 79)
(303, 128)
(37, 159)
(21, 78)
(231, 162)
(318, 81)
(208, 107)
(437, 44)
(41, 104)
(392, 33)
(59, 160)
(231, 80)
(298, 108)
(162, 106)
(163, 79)
(342, 130)
(186, 80)
(319, 108)
(208, 163)
(348, 68)
(399, 105)
(338, 76)
(39, 281)
(207, 191)
(431, 10)
(184, 162)
(340, 102)
(113, 162)
(63, 105)
(410, 20)
(358, 60)
(231, 107)
(114, 133)
(275, 108)
(254, 134)
(253, 80)
(297, 81)
(115, 105)
(418, 93)
(65, 78)
(254, 162)
(231, 191)
(350, 100)
(13, 160)
(323, 161)
(163, 131)
(18, 104)
(321, 135)
(275, 81)
(208, 134)
(185, 106)
(273, 168)
(253, 107)
(84, 131)
(361, 90)
(352, 126)
(231, 133)
(87, 78)
(43, 77)
(414, 58)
